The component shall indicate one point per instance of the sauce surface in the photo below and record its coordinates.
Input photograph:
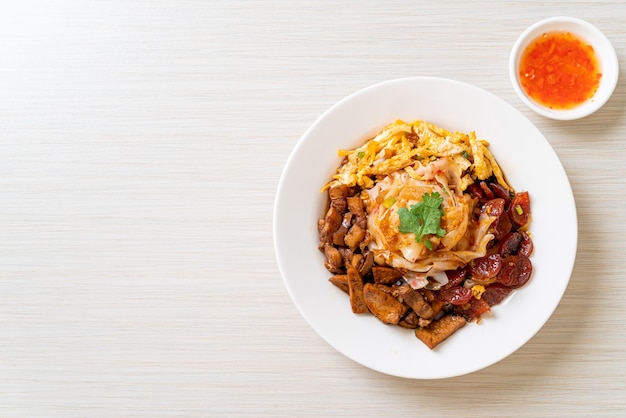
(559, 71)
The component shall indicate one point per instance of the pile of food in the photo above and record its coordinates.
(423, 231)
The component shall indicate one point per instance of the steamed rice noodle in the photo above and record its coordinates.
(395, 169)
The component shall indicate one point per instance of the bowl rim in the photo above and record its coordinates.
(362, 114)
(604, 50)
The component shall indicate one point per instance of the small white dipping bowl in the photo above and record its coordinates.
(586, 32)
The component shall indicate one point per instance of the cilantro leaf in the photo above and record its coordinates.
(423, 218)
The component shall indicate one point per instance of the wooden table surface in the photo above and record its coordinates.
(141, 144)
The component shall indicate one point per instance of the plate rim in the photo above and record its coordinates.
(367, 90)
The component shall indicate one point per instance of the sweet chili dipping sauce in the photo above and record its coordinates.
(559, 71)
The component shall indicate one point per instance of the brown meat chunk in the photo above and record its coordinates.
(334, 260)
(354, 237)
(339, 235)
(367, 263)
(338, 195)
(437, 306)
(332, 220)
(341, 281)
(424, 322)
(356, 261)
(429, 295)
(386, 275)
(410, 320)
(346, 221)
(355, 290)
(439, 330)
(383, 305)
(355, 206)
(416, 301)
(435, 301)
(330, 224)
(346, 254)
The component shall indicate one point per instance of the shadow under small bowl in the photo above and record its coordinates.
(586, 32)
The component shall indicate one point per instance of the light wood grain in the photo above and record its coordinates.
(141, 145)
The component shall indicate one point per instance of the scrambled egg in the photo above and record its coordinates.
(478, 290)
(401, 145)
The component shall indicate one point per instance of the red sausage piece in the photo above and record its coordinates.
(457, 295)
(516, 271)
(519, 210)
(484, 268)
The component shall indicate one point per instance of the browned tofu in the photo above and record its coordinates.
(355, 290)
(386, 275)
(383, 305)
(341, 281)
(439, 330)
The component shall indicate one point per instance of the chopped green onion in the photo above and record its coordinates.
(361, 154)
(387, 203)
(465, 155)
(519, 209)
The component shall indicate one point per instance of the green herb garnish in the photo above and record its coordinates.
(465, 155)
(423, 218)
(360, 154)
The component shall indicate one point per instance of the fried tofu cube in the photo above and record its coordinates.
(383, 305)
(355, 290)
(439, 330)
(341, 281)
(386, 275)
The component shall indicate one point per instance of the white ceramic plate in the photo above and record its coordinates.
(529, 163)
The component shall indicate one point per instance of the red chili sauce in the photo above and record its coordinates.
(559, 71)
